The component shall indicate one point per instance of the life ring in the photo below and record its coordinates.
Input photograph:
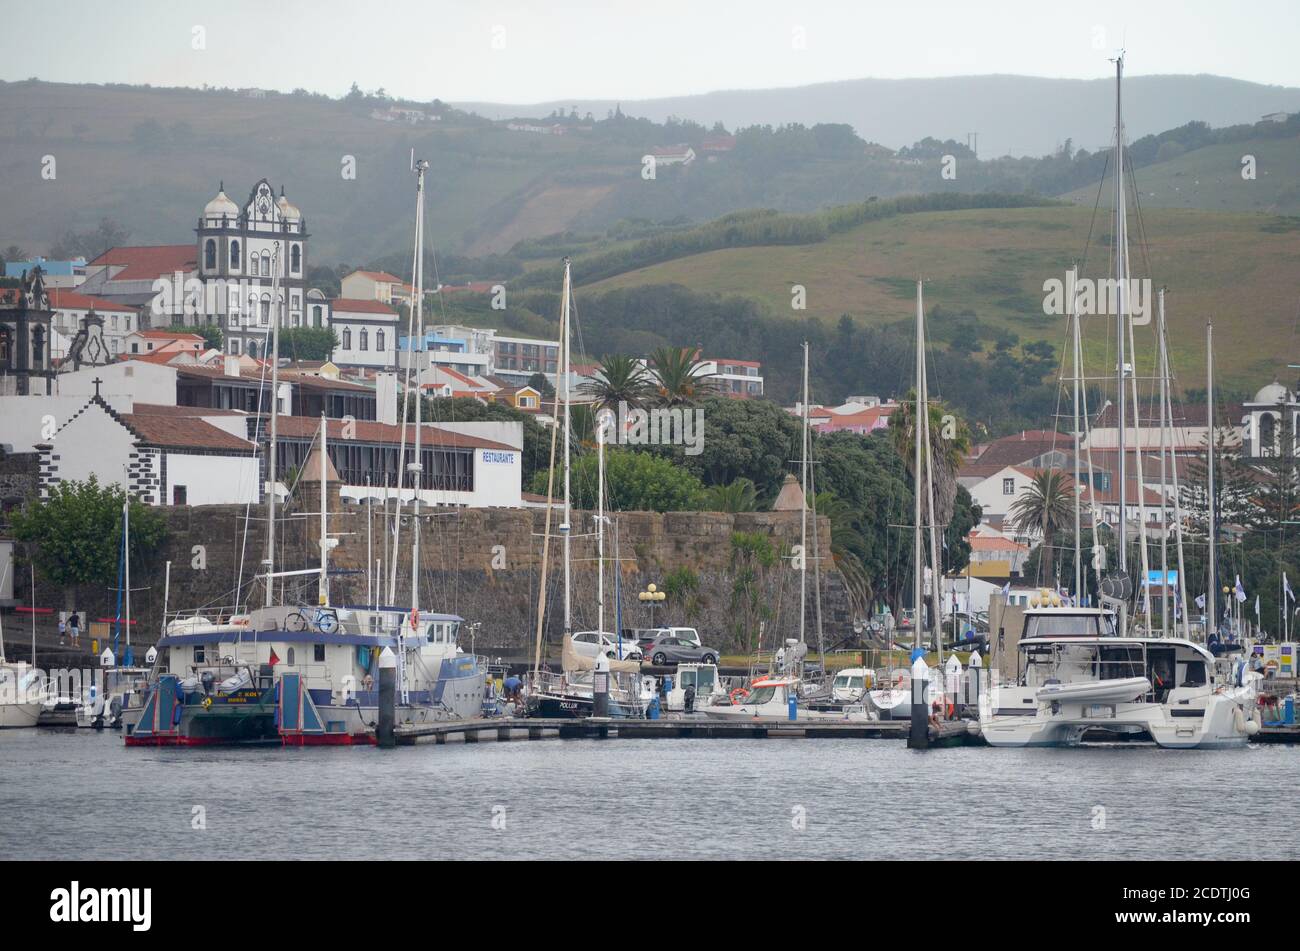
(737, 696)
(415, 619)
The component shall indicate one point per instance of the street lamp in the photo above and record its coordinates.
(651, 596)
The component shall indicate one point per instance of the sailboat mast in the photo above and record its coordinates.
(936, 569)
(600, 526)
(1211, 597)
(564, 389)
(1121, 238)
(126, 570)
(803, 508)
(323, 590)
(1173, 459)
(416, 467)
(1076, 359)
(1164, 497)
(271, 478)
(918, 553)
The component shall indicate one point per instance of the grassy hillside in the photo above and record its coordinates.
(1241, 269)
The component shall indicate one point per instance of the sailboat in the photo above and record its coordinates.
(892, 695)
(300, 674)
(1081, 670)
(571, 693)
(21, 690)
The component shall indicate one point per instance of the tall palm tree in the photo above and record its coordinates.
(620, 379)
(949, 444)
(1045, 505)
(681, 376)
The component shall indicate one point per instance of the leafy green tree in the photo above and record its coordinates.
(76, 534)
(211, 334)
(743, 439)
(307, 343)
(620, 379)
(636, 481)
(753, 558)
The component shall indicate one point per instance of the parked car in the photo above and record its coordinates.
(595, 643)
(670, 649)
(688, 634)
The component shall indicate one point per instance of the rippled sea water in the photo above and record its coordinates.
(82, 795)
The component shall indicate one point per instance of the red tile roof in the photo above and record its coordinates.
(383, 276)
(63, 299)
(182, 432)
(286, 376)
(308, 426)
(351, 305)
(149, 262)
(159, 409)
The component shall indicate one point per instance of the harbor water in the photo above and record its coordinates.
(81, 795)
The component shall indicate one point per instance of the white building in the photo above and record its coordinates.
(72, 308)
(163, 455)
(365, 332)
(377, 285)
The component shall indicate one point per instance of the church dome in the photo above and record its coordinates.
(288, 211)
(221, 205)
(1274, 393)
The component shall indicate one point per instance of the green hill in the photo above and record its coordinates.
(1242, 270)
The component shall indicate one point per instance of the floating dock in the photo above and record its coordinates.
(949, 733)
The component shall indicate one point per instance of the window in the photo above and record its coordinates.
(318, 653)
(315, 316)
(266, 309)
(234, 346)
(379, 340)
(210, 254)
(347, 338)
(266, 264)
(234, 255)
(178, 495)
(296, 258)
(365, 339)
(289, 659)
(1009, 486)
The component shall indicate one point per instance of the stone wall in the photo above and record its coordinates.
(485, 565)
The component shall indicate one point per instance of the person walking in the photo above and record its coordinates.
(63, 629)
(74, 628)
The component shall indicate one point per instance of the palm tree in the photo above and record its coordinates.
(620, 379)
(739, 496)
(1045, 505)
(848, 546)
(681, 376)
(949, 444)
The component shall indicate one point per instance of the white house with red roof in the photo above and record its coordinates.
(378, 286)
(852, 417)
(365, 331)
(740, 379)
(672, 155)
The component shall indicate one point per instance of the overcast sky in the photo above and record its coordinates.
(633, 49)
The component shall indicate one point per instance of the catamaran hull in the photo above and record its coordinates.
(1221, 724)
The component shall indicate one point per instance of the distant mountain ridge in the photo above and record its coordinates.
(1013, 115)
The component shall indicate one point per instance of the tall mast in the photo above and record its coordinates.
(126, 571)
(1164, 496)
(1211, 597)
(918, 552)
(271, 478)
(564, 389)
(936, 569)
(1173, 459)
(1076, 359)
(1121, 239)
(600, 527)
(803, 508)
(322, 587)
(416, 467)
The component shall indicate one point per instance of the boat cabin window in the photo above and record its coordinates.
(435, 633)
(760, 695)
(289, 659)
(318, 653)
(1193, 674)
(1066, 625)
(198, 653)
(847, 680)
(704, 679)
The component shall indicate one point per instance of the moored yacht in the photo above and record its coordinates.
(1075, 674)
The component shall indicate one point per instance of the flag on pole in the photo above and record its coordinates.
(1286, 586)
(1200, 601)
(1240, 592)
(1006, 590)
(1257, 608)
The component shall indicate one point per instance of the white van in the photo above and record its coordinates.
(595, 643)
(682, 633)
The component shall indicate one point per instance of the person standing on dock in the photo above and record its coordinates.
(63, 629)
(74, 628)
